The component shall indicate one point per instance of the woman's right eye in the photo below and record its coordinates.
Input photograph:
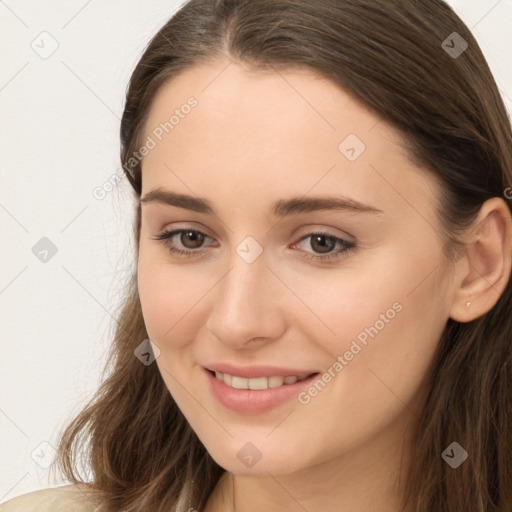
(193, 235)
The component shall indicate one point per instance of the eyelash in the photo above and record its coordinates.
(347, 246)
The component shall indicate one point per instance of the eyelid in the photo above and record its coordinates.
(303, 233)
(186, 226)
(326, 230)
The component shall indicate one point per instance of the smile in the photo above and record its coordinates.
(258, 383)
(255, 395)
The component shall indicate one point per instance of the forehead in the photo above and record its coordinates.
(272, 130)
(266, 102)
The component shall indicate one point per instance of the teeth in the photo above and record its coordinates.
(257, 383)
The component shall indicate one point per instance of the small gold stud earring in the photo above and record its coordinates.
(468, 304)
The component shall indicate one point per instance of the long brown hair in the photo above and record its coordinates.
(390, 55)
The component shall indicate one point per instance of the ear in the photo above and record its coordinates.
(484, 270)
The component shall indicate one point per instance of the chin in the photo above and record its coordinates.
(246, 459)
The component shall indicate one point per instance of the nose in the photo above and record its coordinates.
(247, 304)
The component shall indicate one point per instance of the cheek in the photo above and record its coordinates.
(378, 329)
(386, 331)
(170, 298)
(171, 306)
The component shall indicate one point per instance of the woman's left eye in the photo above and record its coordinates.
(324, 242)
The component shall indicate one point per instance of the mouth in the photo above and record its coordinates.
(259, 383)
(255, 395)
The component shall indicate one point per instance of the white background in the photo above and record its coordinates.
(59, 141)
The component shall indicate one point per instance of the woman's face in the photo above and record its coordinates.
(272, 154)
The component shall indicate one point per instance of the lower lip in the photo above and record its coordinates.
(254, 401)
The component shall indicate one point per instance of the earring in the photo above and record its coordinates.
(468, 304)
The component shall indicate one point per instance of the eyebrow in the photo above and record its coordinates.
(281, 208)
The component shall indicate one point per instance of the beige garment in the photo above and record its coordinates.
(68, 498)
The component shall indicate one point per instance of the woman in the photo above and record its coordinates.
(320, 313)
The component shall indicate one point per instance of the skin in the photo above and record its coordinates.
(254, 138)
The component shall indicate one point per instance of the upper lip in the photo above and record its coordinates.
(251, 372)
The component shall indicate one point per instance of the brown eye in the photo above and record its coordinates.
(187, 243)
(195, 238)
(322, 243)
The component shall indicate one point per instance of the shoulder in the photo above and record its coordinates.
(68, 498)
